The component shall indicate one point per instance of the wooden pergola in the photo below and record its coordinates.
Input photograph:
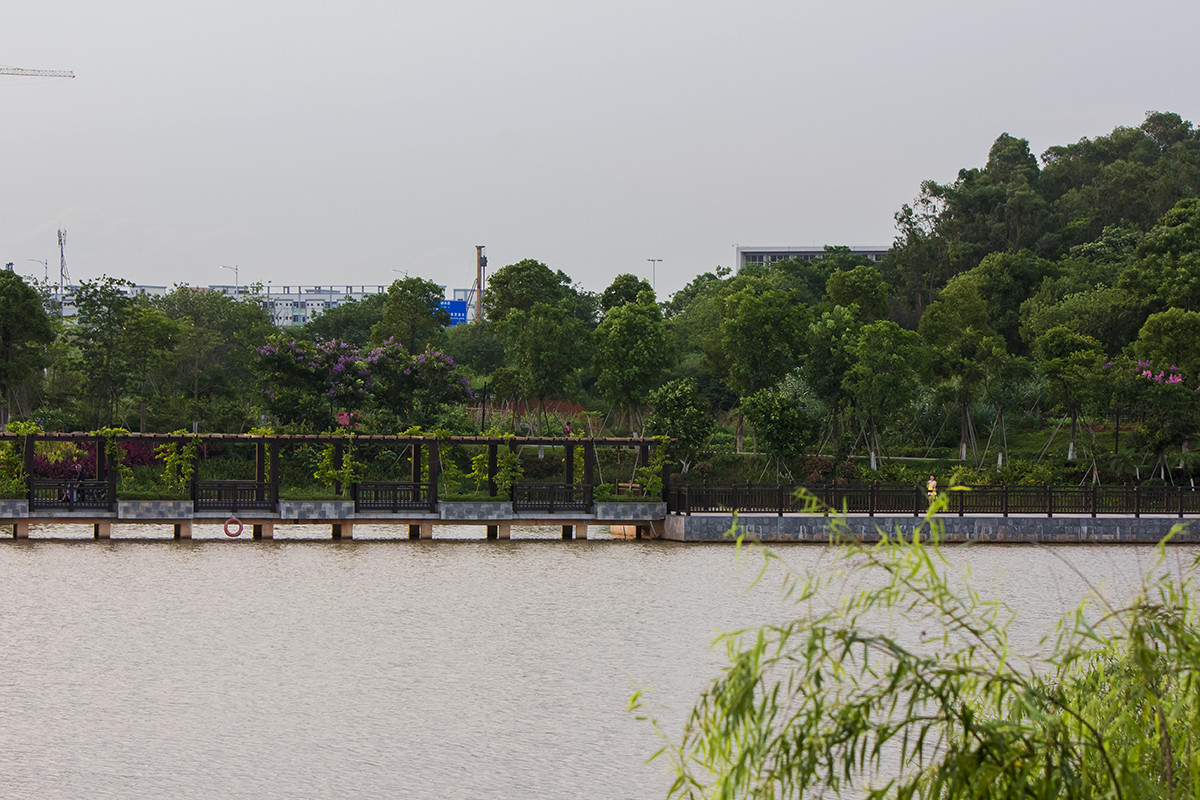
(262, 492)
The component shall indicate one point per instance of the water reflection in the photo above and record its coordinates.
(470, 669)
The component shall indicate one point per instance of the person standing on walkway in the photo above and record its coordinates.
(931, 488)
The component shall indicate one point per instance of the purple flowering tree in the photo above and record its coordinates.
(292, 390)
(307, 385)
(436, 382)
(415, 388)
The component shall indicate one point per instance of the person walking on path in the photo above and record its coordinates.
(931, 488)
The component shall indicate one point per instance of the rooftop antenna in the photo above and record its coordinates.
(63, 276)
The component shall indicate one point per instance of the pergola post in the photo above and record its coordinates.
(492, 466)
(435, 465)
(28, 456)
(589, 462)
(416, 461)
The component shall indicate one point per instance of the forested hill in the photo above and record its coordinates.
(1092, 202)
(1027, 293)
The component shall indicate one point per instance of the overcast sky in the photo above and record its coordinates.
(314, 142)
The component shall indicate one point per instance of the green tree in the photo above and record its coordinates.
(1005, 281)
(963, 349)
(786, 419)
(679, 411)
(1168, 268)
(1071, 363)
(546, 347)
(412, 314)
(884, 377)
(25, 332)
(1172, 337)
(862, 286)
(759, 336)
(475, 346)
(630, 353)
(830, 344)
(520, 286)
(152, 337)
(215, 382)
(350, 322)
(104, 309)
(625, 288)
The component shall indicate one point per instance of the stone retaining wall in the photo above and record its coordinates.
(630, 512)
(154, 509)
(300, 510)
(14, 509)
(772, 528)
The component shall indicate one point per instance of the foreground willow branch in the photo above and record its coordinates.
(834, 703)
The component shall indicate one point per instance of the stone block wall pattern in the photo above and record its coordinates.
(475, 511)
(154, 509)
(630, 512)
(1011, 530)
(316, 509)
(15, 509)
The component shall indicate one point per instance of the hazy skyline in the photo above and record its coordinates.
(312, 144)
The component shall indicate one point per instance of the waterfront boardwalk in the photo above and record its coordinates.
(624, 520)
(627, 519)
(409, 500)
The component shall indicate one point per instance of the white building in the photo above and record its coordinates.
(288, 305)
(770, 255)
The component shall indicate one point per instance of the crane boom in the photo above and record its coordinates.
(37, 73)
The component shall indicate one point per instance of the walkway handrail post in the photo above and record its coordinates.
(1003, 499)
(1093, 500)
(1180, 489)
(917, 499)
(1137, 501)
(28, 457)
(687, 501)
(1049, 499)
(871, 498)
(112, 489)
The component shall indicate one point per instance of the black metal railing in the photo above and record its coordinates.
(393, 496)
(1002, 500)
(72, 494)
(551, 497)
(234, 496)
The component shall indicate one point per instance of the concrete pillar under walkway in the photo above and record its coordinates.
(102, 530)
(264, 530)
(343, 530)
(576, 531)
(504, 530)
(183, 530)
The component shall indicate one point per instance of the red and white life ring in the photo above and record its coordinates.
(229, 524)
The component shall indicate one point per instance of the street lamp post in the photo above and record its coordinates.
(653, 264)
(236, 285)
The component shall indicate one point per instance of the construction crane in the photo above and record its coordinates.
(37, 73)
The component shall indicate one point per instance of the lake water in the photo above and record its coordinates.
(434, 669)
